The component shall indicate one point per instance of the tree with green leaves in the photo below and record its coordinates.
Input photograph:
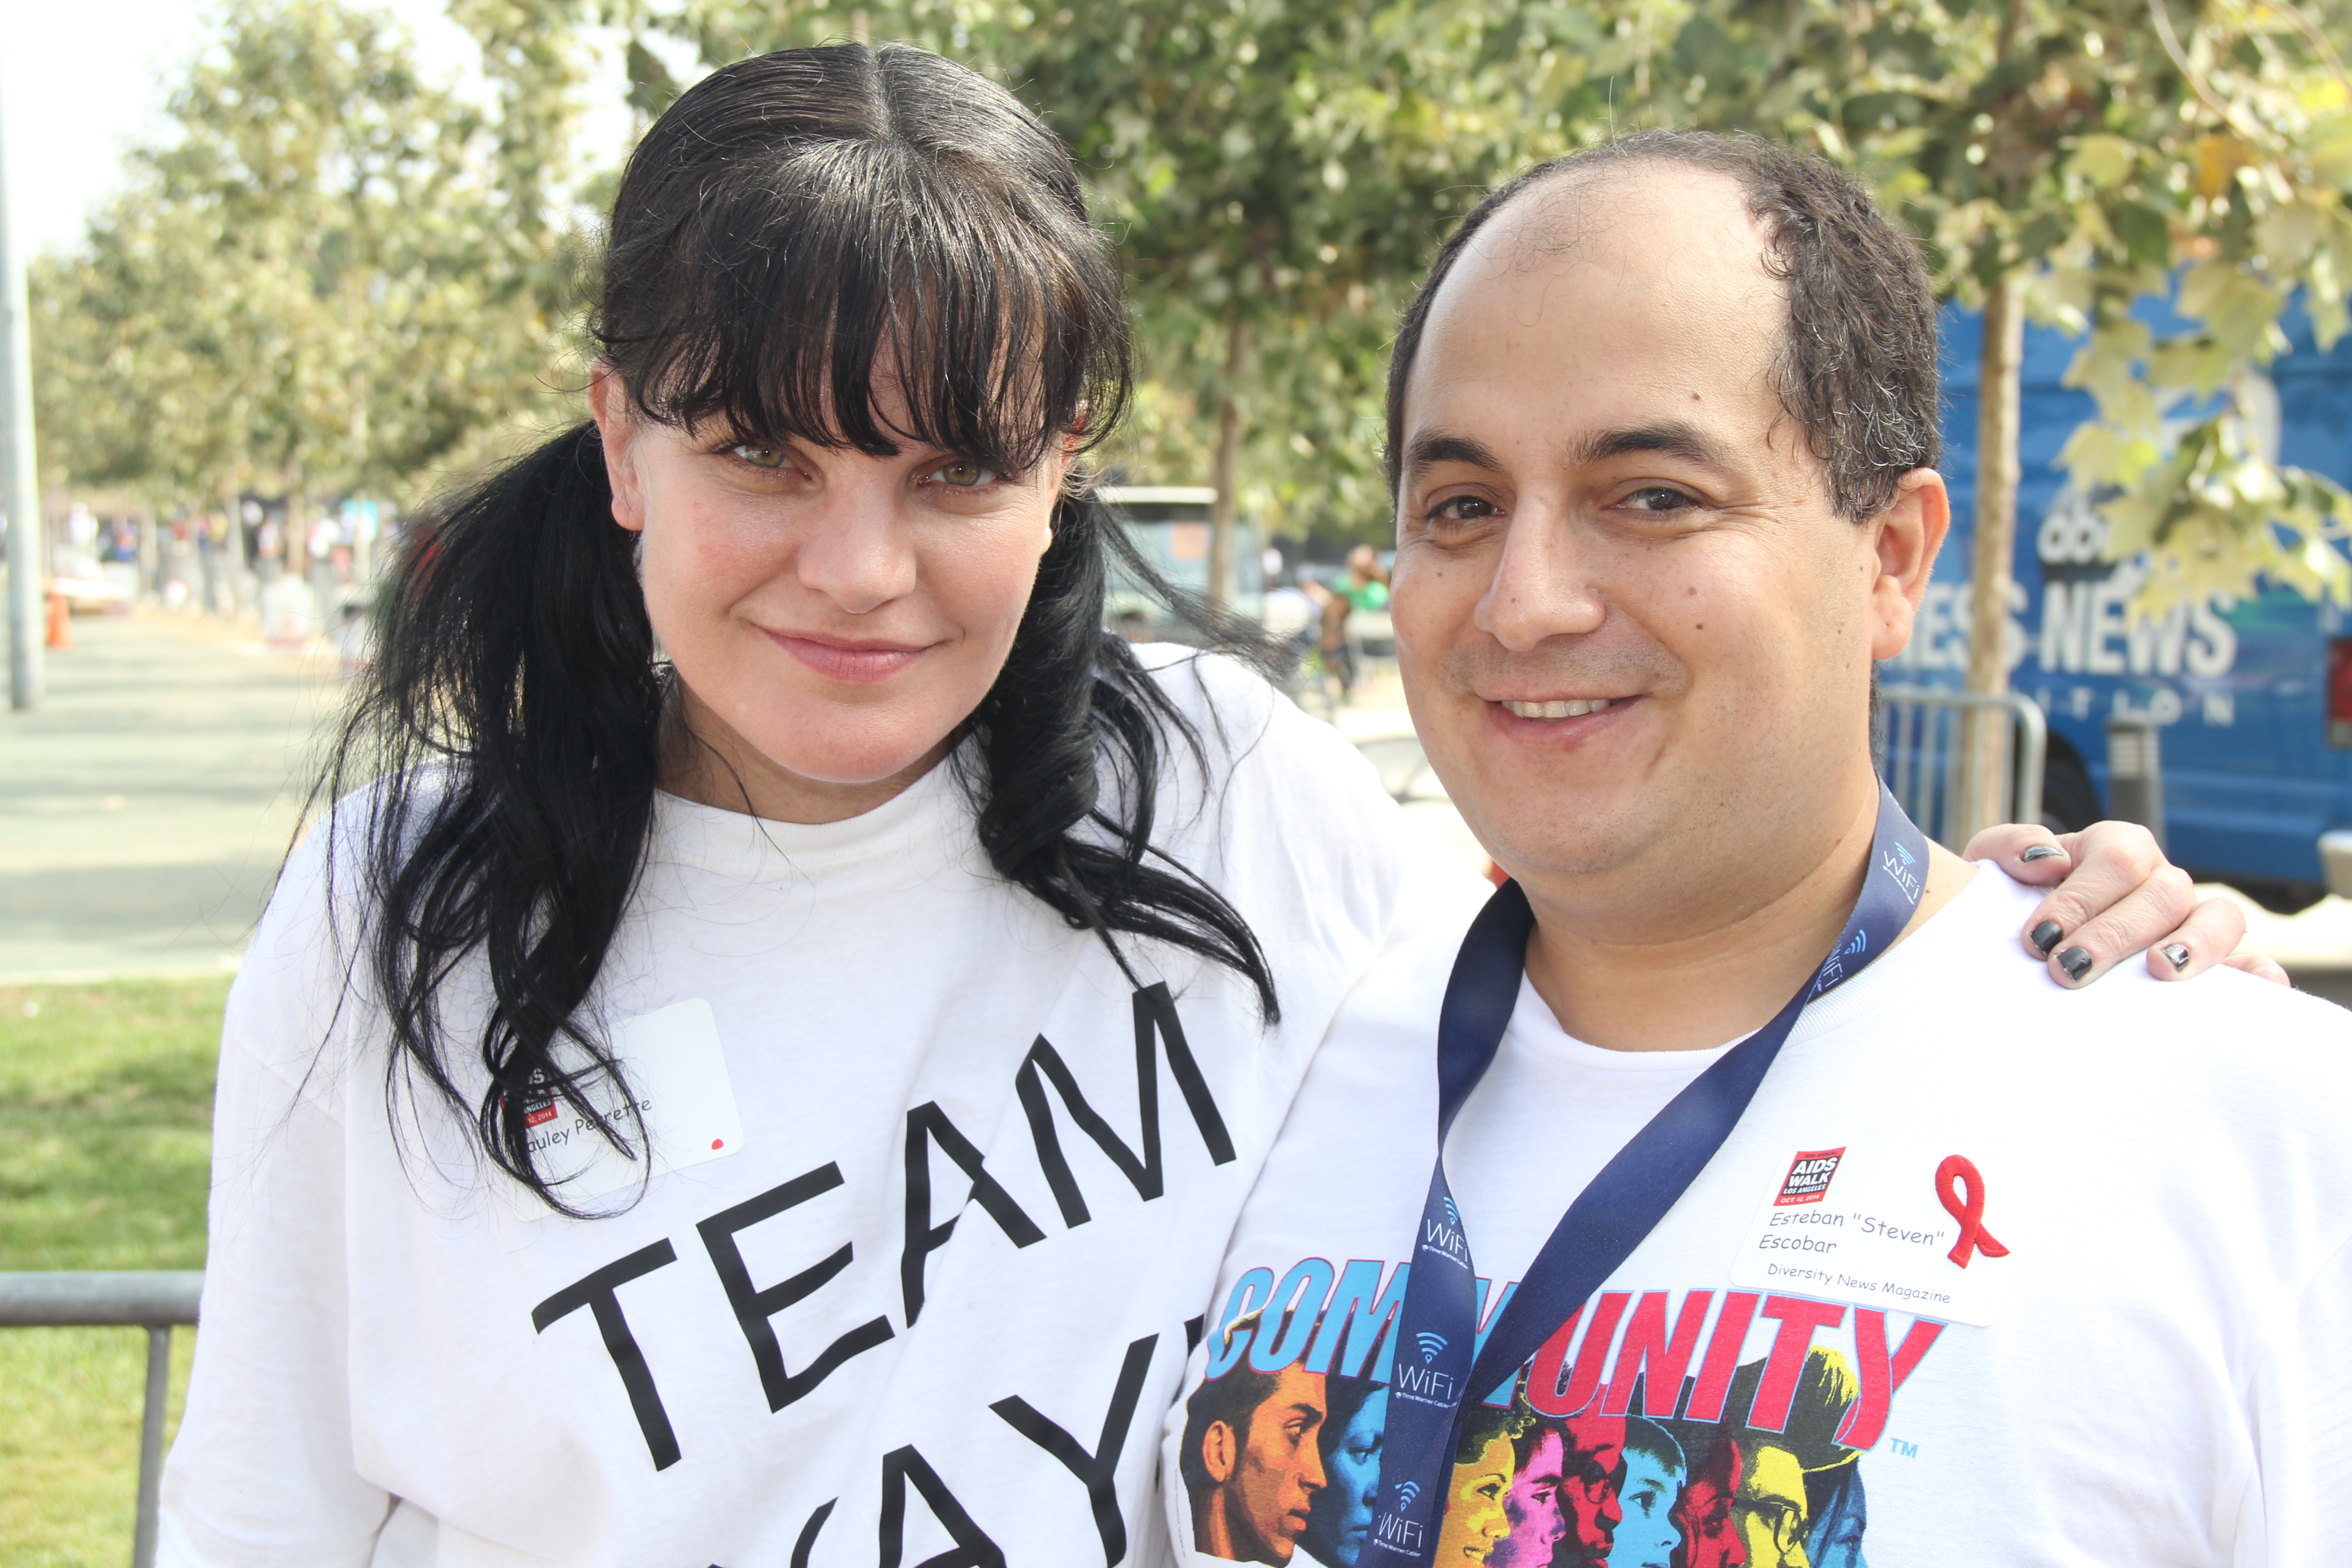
(2087, 158)
(314, 284)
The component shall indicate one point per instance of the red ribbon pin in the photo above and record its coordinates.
(1957, 1174)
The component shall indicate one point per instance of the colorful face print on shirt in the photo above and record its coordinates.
(1252, 1461)
(1341, 1518)
(1755, 1463)
(1477, 1517)
(1647, 1491)
(1533, 1502)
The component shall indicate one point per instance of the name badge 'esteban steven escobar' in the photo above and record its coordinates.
(1908, 1225)
(677, 1073)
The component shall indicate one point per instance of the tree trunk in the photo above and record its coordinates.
(1986, 767)
(1223, 515)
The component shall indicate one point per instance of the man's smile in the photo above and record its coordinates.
(1562, 708)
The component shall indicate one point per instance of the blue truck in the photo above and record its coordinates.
(2253, 698)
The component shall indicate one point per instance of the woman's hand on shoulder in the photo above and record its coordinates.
(2114, 894)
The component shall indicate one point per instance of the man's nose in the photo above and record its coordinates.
(857, 552)
(1542, 583)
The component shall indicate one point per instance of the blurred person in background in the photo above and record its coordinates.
(1364, 585)
(675, 1106)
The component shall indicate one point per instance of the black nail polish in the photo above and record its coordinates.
(2038, 852)
(2177, 955)
(2046, 936)
(2075, 961)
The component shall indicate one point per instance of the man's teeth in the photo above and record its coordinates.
(1572, 708)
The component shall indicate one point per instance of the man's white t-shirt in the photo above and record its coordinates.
(2143, 1354)
(939, 1198)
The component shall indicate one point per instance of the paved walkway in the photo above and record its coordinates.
(144, 807)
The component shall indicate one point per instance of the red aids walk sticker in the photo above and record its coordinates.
(1954, 1177)
(1893, 1221)
(1808, 1181)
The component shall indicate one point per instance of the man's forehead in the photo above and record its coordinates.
(1623, 291)
(1643, 219)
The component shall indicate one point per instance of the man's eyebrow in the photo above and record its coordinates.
(1425, 452)
(1674, 437)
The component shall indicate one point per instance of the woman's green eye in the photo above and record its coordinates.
(761, 456)
(963, 476)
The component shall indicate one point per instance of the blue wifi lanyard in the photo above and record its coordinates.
(1439, 1361)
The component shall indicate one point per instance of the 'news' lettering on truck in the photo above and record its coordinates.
(2252, 697)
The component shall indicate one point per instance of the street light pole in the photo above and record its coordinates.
(20, 483)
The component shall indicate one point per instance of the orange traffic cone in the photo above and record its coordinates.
(61, 624)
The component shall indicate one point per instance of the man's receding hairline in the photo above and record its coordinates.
(1418, 455)
(1561, 182)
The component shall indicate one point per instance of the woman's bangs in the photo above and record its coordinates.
(863, 300)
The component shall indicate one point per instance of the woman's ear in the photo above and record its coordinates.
(608, 401)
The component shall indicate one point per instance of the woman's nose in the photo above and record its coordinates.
(856, 553)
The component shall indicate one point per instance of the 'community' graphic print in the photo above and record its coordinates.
(1753, 1459)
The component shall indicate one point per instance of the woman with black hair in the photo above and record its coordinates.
(760, 1059)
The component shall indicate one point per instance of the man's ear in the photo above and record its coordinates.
(1217, 1452)
(608, 401)
(1906, 537)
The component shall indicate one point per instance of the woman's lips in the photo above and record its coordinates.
(855, 663)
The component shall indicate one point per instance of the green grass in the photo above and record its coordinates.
(105, 1112)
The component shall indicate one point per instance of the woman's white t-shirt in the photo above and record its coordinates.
(938, 1196)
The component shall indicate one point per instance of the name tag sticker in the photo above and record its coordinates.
(1910, 1226)
(676, 1072)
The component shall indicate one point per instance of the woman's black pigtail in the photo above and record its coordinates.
(512, 720)
(1075, 710)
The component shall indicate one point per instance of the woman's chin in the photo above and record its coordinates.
(853, 767)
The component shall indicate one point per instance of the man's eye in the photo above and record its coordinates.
(762, 455)
(1462, 509)
(1659, 498)
(963, 476)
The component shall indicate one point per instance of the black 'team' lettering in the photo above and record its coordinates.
(927, 1124)
(1097, 1471)
(596, 1293)
(808, 1543)
(755, 1308)
(1155, 1021)
(973, 1549)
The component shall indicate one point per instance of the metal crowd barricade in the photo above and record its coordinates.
(155, 1300)
(1916, 738)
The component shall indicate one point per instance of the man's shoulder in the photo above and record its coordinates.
(2218, 995)
(2224, 1034)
